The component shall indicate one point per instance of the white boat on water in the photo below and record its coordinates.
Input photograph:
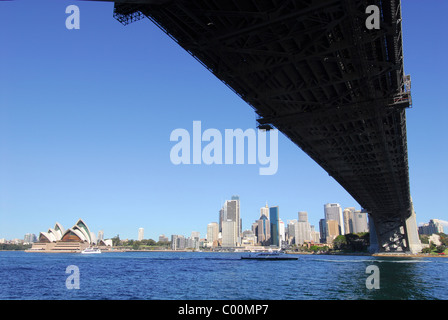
(91, 250)
(270, 255)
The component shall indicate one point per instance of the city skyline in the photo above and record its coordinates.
(266, 212)
(92, 147)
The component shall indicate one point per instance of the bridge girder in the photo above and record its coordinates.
(313, 70)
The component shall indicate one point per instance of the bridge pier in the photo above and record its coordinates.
(394, 234)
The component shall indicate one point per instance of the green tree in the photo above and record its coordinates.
(426, 250)
(440, 249)
(116, 240)
(340, 242)
(443, 239)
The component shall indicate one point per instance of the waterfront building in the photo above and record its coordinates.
(290, 231)
(323, 230)
(303, 229)
(178, 242)
(221, 218)
(254, 228)
(274, 220)
(333, 211)
(434, 226)
(140, 234)
(281, 232)
(229, 233)
(231, 212)
(195, 234)
(162, 238)
(74, 239)
(332, 230)
(29, 238)
(360, 223)
(264, 210)
(315, 235)
(249, 238)
(348, 214)
(355, 221)
(212, 233)
(263, 228)
(101, 235)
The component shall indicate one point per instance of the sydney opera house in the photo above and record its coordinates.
(75, 239)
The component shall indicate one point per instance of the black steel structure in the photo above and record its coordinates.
(313, 70)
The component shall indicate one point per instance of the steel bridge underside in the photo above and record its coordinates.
(311, 69)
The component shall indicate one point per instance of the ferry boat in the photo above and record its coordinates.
(270, 255)
(91, 250)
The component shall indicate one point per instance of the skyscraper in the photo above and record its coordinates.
(332, 230)
(229, 236)
(140, 234)
(263, 230)
(264, 210)
(29, 238)
(360, 223)
(303, 229)
(221, 218)
(315, 235)
(275, 224)
(100, 235)
(231, 212)
(212, 233)
(281, 232)
(323, 231)
(434, 226)
(333, 211)
(348, 219)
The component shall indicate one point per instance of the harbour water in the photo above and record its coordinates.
(217, 276)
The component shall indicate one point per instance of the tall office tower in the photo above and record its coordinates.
(333, 211)
(100, 235)
(332, 230)
(303, 216)
(263, 230)
(140, 234)
(348, 214)
(29, 238)
(315, 235)
(195, 235)
(249, 238)
(291, 231)
(221, 218)
(303, 229)
(323, 230)
(212, 232)
(281, 232)
(434, 226)
(264, 211)
(177, 242)
(437, 225)
(239, 221)
(231, 211)
(360, 223)
(229, 234)
(162, 238)
(274, 219)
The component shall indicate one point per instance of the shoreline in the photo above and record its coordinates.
(394, 255)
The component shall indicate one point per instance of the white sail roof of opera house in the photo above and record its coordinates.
(80, 232)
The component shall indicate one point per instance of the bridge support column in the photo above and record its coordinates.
(394, 234)
(415, 245)
(374, 246)
(390, 234)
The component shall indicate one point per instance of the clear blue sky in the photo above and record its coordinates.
(86, 116)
